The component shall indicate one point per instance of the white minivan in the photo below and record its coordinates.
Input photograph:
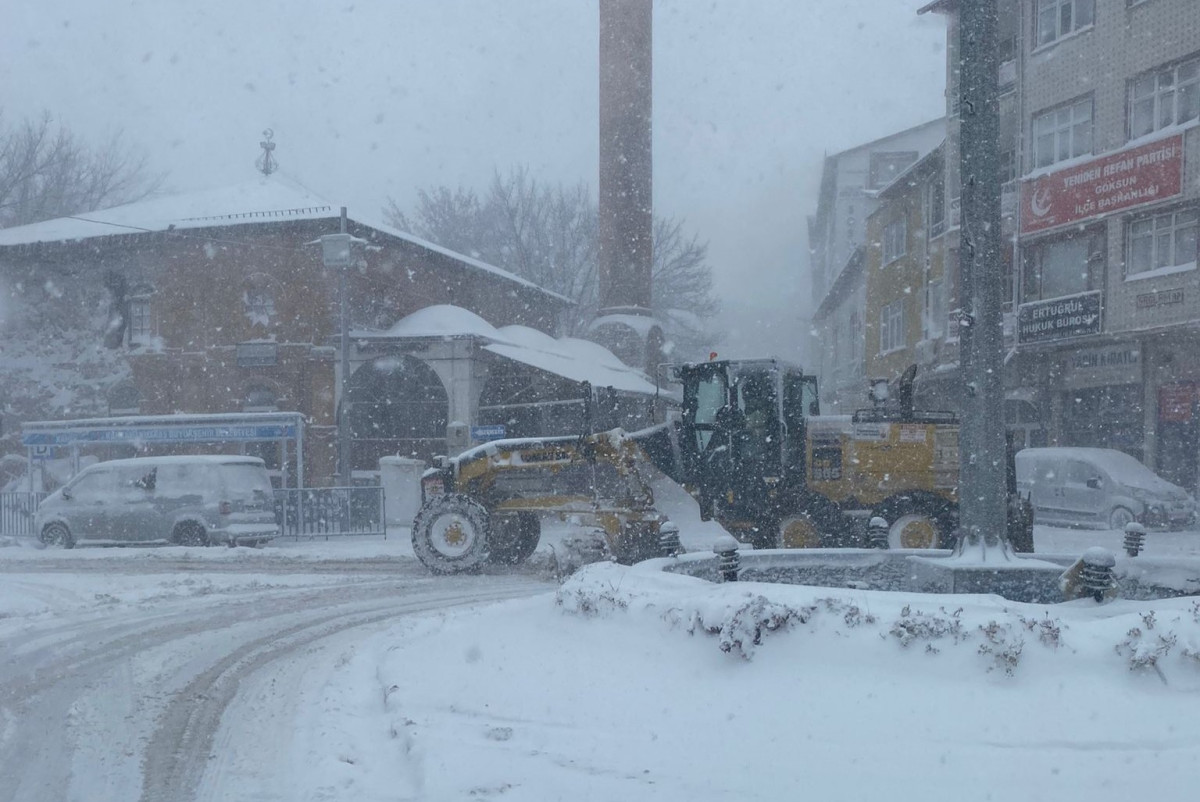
(1099, 488)
(186, 500)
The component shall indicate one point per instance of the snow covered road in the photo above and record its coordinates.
(189, 685)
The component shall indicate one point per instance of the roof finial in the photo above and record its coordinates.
(266, 162)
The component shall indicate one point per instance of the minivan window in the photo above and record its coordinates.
(243, 481)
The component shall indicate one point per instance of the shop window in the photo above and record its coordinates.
(895, 244)
(1161, 242)
(1164, 97)
(891, 327)
(1105, 417)
(1054, 19)
(1062, 133)
(1064, 266)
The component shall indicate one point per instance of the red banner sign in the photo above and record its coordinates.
(1175, 402)
(1111, 183)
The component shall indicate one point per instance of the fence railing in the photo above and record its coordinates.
(330, 511)
(16, 513)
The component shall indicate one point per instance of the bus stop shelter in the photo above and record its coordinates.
(46, 439)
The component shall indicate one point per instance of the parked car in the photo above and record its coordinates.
(1101, 488)
(186, 500)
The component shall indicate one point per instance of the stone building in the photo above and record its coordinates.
(837, 235)
(220, 303)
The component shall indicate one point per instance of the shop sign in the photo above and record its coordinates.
(1151, 300)
(1115, 364)
(1111, 183)
(1059, 318)
(1175, 402)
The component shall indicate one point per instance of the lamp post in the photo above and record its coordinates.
(337, 253)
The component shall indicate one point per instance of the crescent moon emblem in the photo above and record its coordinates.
(1039, 204)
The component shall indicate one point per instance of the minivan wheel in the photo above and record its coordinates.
(191, 534)
(1120, 517)
(57, 534)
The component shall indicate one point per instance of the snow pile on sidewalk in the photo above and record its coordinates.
(636, 685)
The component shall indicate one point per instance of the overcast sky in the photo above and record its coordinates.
(376, 98)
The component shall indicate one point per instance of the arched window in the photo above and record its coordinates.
(397, 406)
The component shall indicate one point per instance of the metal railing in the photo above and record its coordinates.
(328, 512)
(16, 513)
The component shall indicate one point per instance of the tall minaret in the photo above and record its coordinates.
(625, 204)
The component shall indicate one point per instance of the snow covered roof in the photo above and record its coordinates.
(262, 200)
(571, 358)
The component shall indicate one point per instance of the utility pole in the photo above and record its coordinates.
(983, 456)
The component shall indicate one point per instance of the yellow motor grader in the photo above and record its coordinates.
(748, 442)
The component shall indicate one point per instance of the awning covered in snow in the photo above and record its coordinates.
(568, 357)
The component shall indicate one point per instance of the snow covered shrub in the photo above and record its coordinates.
(587, 601)
(1002, 645)
(1049, 631)
(919, 626)
(1142, 651)
(740, 632)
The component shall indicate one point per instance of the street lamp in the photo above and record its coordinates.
(337, 252)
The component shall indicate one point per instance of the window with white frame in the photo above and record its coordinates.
(934, 323)
(891, 327)
(935, 207)
(1062, 133)
(1163, 241)
(894, 240)
(1165, 97)
(857, 341)
(1066, 265)
(1054, 19)
(139, 319)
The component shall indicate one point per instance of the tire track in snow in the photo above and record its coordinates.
(181, 750)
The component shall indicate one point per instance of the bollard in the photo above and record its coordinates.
(1096, 573)
(1135, 538)
(726, 549)
(877, 533)
(668, 540)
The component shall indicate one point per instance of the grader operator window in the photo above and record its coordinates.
(758, 408)
(711, 397)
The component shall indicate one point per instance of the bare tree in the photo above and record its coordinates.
(47, 171)
(547, 234)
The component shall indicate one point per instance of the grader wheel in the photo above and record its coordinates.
(452, 534)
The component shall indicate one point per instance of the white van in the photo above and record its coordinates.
(186, 500)
(1099, 488)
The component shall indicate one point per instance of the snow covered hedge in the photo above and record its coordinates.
(1160, 638)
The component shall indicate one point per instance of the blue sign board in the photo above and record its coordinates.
(163, 434)
(493, 431)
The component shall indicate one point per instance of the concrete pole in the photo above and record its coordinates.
(982, 488)
(343, 424)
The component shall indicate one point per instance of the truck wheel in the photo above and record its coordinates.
(812, 523)
(514, 537)
(451, 533)
(917, 521)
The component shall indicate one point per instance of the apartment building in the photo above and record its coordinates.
(837, 233)
(1101, 146)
